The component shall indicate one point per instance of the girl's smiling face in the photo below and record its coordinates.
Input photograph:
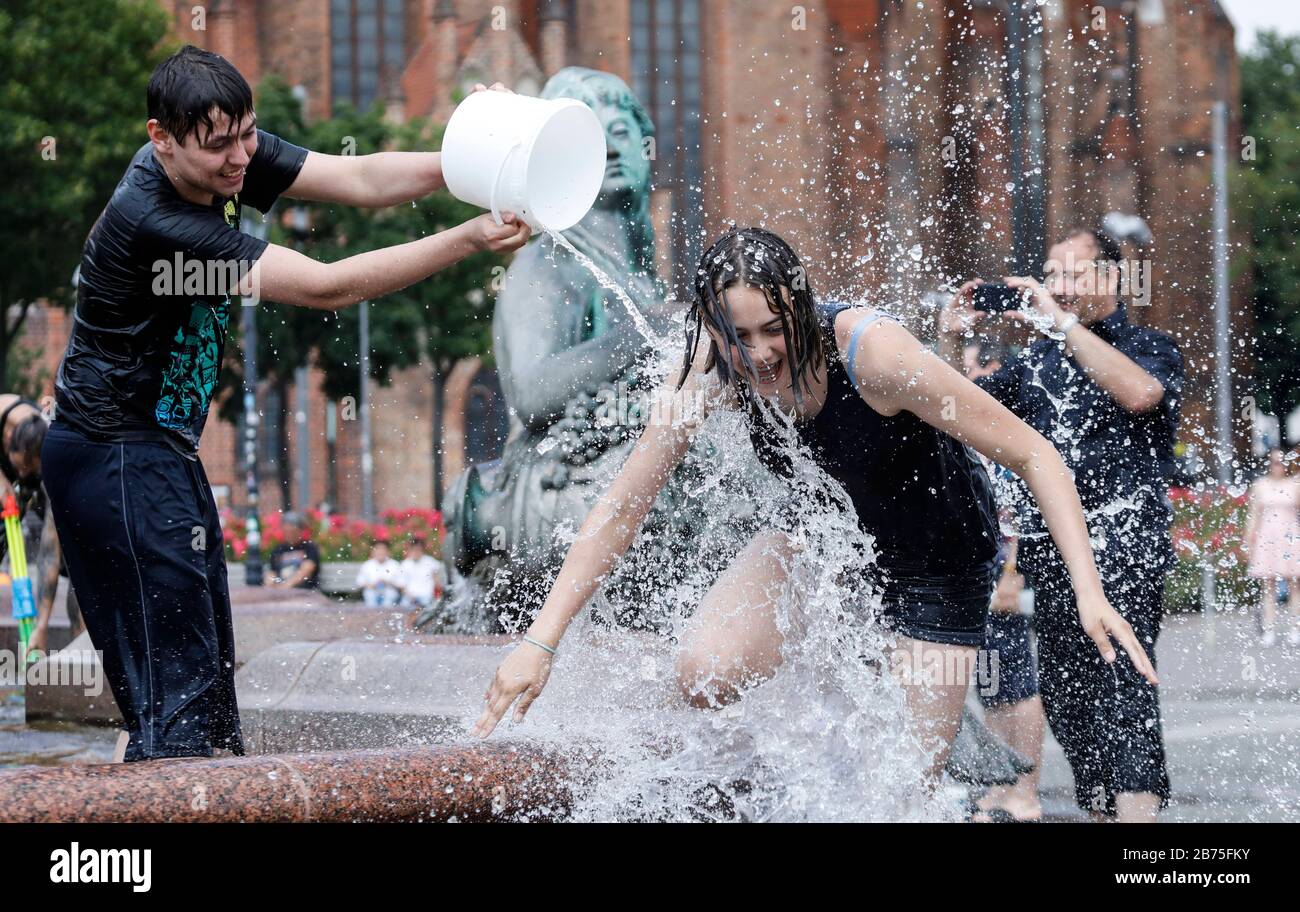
(758, 327)
(754, 308)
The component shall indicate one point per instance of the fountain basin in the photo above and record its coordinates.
(480, 782)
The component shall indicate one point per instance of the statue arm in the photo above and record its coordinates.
(543, 373)
(613, 522)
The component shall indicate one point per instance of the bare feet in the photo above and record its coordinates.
(1019, 807)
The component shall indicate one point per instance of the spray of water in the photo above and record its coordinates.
(824, 738)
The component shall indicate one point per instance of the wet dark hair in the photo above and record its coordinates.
(1108, 248)
(186, 86)
(756, 257)
(27, 439)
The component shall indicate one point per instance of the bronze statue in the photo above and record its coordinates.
(572, 365)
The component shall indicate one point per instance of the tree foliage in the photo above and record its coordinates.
(72, 113)
(433, 322)
(1270, 92)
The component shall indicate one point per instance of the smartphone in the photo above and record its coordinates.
(995, 297)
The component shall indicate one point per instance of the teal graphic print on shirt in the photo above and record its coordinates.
(191, 376)
(195, 362)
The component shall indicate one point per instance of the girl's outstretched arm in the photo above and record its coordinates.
(605, 536)
(896, 373)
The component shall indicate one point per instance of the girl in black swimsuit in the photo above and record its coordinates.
(884, 417)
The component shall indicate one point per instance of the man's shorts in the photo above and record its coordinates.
(1105, 717)
(140, 533)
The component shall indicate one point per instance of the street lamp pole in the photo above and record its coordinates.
(1222, 319)
(363, 404)
(248, 328)
(1023, 83)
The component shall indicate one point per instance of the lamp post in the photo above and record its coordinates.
(248, 327)
(363, 405)
(300, 228)
(1024, 91)
(1222, 320)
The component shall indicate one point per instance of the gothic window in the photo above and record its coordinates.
(367, 49)
(666, 77)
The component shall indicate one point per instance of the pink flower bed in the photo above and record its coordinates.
(339, 537)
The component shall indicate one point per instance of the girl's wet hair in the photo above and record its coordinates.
(757, 257)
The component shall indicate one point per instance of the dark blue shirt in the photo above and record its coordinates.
(1122, 461)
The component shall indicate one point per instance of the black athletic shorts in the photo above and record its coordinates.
(140, 533)
(951, 609)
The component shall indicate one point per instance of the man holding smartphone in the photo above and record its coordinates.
(134, 511)
(1106, 393)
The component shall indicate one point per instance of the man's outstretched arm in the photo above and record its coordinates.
(289, 277)
(373, 181)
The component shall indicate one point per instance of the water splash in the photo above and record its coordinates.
(824, 738)
(653, 339)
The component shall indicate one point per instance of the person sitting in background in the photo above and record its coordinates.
(380, 578)
(421, 576)
(1272, 543)
(295, 563)
(22, 432)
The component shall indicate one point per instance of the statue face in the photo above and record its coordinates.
(627, 169)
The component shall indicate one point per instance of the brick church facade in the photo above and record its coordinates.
(880, 136)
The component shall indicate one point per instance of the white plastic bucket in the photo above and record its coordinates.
(543, 159)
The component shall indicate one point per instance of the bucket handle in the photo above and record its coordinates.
(492, 197)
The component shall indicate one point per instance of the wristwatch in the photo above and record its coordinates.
(1067, 323)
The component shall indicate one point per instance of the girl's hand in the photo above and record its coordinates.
(1101, 622)
(486, 234)
(522, 675)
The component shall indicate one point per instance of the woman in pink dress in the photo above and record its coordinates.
(1273, 542)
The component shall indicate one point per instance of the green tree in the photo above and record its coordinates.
(434, 322)
(72, 112)
(1270, 195)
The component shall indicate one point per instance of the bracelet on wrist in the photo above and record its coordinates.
(539, 644)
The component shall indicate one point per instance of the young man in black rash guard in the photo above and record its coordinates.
(160, 270)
